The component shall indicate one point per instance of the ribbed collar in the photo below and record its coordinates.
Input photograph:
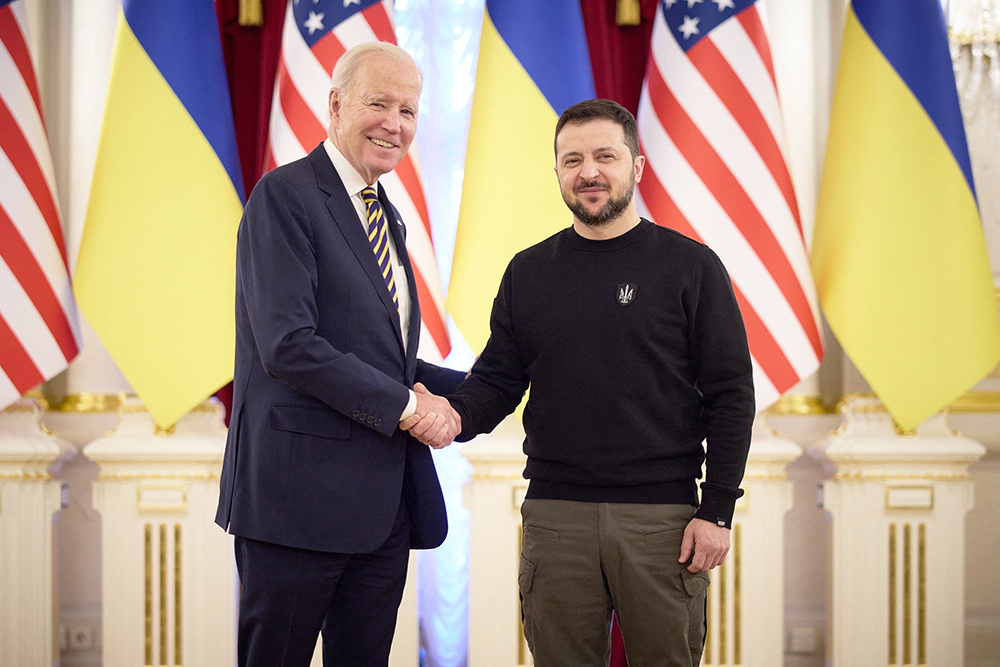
(616, 243)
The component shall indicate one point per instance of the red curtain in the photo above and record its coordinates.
(618, 53)
(251, 56)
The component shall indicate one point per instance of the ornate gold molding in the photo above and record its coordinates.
(89, 403)
(799, 404)
(967, 38)
(24, 475)
(976, 401)
(497, 476)
(856, 476)
(126, 475)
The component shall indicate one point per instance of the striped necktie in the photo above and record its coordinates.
(378, 236)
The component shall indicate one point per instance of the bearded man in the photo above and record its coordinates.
(632, 342)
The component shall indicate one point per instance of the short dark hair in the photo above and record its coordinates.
(589, 110)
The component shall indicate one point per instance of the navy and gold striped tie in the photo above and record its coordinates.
(378, 236)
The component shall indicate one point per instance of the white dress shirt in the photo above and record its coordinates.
(354, 184)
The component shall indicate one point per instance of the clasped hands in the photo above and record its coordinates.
(435, 423)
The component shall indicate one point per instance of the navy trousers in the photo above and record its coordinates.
(288, 596)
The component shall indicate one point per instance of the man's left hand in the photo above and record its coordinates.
(709, 542)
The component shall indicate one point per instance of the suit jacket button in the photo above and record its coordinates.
(362, 416)
(378, 422)
(355, 414)
(371, 420)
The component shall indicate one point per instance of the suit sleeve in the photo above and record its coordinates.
(277, 267)
(438, 380)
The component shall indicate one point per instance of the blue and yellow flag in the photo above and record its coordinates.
(899, 255)
(533, 64)
(156, 271)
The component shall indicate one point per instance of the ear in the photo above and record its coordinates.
(640, 163)
(334, 103)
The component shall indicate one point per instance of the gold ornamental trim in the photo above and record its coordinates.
(893, 611)
(89, 403)
(129, 475)
(799, 405)
(976, 401)
(148, 590)
(40, 406)
(496, 476)
(22, 475)
(766, 476)
(19, 408)
(878, 476)
(178, 607)
(968, 38)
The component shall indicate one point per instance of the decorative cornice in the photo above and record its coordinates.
(25, 474)
(124, 473)
(967, 38)
(90, 403)
(799, 404)
(976, 401)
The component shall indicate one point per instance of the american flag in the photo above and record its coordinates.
(316, 33)
(711, 131)
(39, 330)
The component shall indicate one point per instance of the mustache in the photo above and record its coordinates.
(590, 184)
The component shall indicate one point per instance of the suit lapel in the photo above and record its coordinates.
(346, 217)
(398, 232)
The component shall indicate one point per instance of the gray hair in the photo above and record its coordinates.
(347, 66)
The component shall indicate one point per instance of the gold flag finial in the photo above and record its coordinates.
(627, 12)
(251, 12)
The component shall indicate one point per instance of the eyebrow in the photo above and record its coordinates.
(599, 149)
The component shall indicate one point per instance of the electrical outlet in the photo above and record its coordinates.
(81, 637)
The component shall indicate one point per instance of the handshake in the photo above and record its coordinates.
(435, 423)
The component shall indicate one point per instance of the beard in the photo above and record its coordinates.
(608, 213)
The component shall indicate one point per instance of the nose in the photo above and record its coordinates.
(392, 120)
(589, 169)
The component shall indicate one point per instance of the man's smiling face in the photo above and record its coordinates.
(373, 121)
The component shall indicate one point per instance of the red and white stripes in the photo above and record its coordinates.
(711, 131)
(299, 120)
(39, 329)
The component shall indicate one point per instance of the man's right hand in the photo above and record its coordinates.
(435, 423)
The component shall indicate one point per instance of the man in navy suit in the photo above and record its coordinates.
(322, 485)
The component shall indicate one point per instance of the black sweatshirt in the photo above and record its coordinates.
(635, 351)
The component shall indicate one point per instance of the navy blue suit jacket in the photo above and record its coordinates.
(315, 458)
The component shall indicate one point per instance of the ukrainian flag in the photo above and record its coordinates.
(156, 272)
(533, 64)
(899, 255)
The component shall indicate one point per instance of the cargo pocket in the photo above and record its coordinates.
(525, 575)
(696, 586)
(525, 579)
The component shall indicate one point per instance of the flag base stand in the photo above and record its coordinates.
(29, 498)
(898, 505)
(168, 576)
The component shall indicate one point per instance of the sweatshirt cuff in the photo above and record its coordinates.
(717, 506)
(411, 406)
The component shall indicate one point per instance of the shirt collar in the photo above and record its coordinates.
(353, 181)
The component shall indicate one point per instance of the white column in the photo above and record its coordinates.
(493, 499)
(167, 571)
(746, 599)
(28, 499)
(898, 504)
